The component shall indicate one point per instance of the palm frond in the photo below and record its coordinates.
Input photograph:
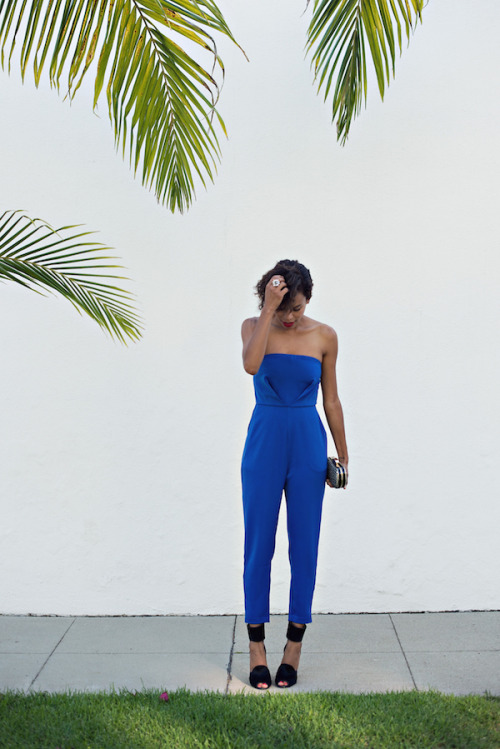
(337, 35)
(161, 100)
(36, 256)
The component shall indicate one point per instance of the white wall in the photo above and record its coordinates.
(120, 466)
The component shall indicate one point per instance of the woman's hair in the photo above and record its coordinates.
(297, 278)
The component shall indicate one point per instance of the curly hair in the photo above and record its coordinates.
(297, 278)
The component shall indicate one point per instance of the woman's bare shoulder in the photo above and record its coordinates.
(326, 337)
(328, 333)
(322, 329)
(248, 325)
(250, 322)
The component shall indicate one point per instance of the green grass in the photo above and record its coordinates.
(194, 719)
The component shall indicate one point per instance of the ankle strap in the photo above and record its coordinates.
(295, 634)
(256, 634)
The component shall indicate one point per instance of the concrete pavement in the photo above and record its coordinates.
(451, 652)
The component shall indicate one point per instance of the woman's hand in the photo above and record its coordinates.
(274, 293)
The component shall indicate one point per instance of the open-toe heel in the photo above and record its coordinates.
(260, 674)
(287, 673)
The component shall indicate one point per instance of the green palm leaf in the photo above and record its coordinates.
(161, 100)
(35, 255)
(337, 35)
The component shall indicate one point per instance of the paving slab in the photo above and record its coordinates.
(146, 634)
(32, 634)
(448, 631)
(346, 672)
(329, 633)
(18, 670)
(458, 672)
(93, 672)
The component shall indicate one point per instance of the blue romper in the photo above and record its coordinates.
(285, 450)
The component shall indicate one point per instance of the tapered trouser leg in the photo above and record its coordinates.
(304, 499)
(263, 474)
(304, 489)
(261, 512)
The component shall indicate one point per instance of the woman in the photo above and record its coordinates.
(289, 355)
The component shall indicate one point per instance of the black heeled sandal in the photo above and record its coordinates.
(286, 672)
(259, 674)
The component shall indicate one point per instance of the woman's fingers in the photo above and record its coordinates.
(275, 291)
(277, 282)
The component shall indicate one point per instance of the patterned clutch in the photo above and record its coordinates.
(335, 473)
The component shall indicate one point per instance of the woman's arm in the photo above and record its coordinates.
(331, 401)
(256, 332)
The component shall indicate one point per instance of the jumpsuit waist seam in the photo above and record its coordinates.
(283, 405)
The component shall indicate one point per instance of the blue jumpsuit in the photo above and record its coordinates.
(285, 450)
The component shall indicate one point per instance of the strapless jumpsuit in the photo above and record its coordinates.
(285, 450)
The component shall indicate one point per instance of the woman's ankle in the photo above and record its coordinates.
(258, 656)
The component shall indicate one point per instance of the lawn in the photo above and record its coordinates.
(141, 720)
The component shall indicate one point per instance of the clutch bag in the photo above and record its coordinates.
(336, 473)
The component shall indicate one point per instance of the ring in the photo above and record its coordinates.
(276, 282)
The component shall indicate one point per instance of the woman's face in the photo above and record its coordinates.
(290, 317)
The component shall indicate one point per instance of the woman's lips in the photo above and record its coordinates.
(288, 324)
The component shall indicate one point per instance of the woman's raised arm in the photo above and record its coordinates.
(255, 331)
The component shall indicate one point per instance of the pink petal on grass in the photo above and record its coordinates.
(164, 696)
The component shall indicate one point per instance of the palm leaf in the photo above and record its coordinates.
(161, 100)
(35, 255)
(337, 35)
